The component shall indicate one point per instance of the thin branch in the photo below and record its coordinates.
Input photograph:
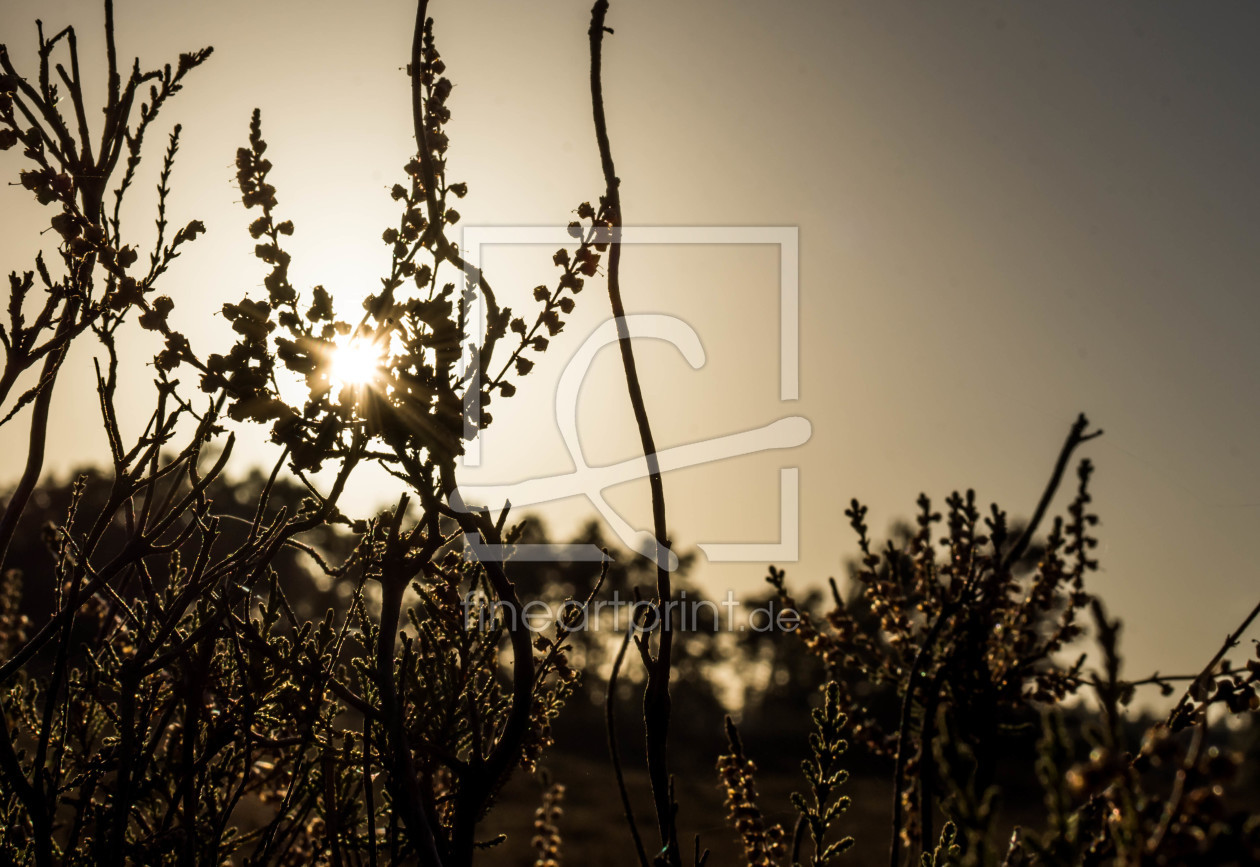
(656, 700)
(1205, 676)
(1075, 437)
(610, 726)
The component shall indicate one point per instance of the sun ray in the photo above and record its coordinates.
(356, 362)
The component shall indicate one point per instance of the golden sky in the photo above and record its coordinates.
(1007, 214)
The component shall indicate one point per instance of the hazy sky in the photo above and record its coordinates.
(1008, 214)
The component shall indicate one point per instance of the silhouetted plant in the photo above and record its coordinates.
(822, 770)
(188, 712)
(764, 845)
(200, 669)
(973, 641)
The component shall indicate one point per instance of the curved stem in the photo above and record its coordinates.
(656, 700)
(610, 726)
(38, 438)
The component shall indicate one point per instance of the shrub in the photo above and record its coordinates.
(198, 669)
(173, 705)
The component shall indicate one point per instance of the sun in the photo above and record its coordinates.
(356, 362)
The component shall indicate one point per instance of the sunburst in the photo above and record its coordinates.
(356, 362)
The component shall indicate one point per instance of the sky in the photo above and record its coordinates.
(1007, 214)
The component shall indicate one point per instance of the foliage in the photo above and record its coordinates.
(971, 630)
(822, 770)
(196, 668)
(172, 704)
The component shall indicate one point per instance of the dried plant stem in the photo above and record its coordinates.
(38, 437)
(610, 727)
(402, 776)
(656, 700)
(917, 667)
(1075, 437)
(1179, 785)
